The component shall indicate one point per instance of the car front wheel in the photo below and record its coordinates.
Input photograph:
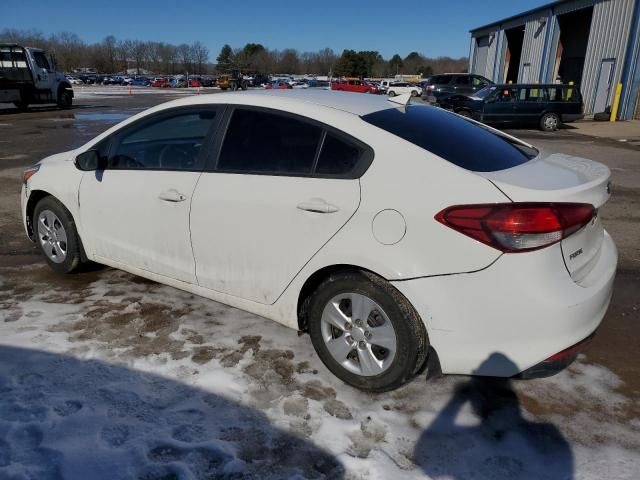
(56, 235)
(392, 93)
(366, 332)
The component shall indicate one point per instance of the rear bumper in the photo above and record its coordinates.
(514, 314)
(556, 363)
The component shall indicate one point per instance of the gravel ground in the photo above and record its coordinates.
(106, 375)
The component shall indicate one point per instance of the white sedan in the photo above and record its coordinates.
(394, 235)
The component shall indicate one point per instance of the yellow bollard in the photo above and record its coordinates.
(616, 102)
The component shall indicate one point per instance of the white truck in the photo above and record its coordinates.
(28, 76)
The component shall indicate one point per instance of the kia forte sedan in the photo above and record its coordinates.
(393, 234)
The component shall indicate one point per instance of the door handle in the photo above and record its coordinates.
(172, 195)
(317, 205)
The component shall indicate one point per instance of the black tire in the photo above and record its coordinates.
(464, 113)
(21, 106)
(414, 93)
(392, 93)
(65, 99)
(549, 122)
(244, 86)
(74, 253)
(412, 343)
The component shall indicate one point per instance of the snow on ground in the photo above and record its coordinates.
(92, 91)
(104, 375)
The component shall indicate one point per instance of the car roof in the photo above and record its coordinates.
(532, 85)
(354, 103)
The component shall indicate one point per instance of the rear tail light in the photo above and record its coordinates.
(517, 227)
(29, 172)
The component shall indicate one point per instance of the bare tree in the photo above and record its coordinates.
(199, 56)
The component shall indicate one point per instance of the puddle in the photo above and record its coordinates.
(101, 117)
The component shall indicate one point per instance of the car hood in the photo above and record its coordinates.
(58, 158)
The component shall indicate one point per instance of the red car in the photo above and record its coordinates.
(280, 85)
(195, 83)
(353, 86)
(160, 82)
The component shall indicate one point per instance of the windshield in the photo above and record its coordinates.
(453, 138)
(485, 92)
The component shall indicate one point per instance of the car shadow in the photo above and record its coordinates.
(62, 417)
(492, 440)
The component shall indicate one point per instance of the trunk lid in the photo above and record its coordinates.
(562, 178)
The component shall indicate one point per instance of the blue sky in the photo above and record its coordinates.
(432, 27)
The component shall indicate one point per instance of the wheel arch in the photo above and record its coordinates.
(34, 198)
(63, 86)
(315, 279)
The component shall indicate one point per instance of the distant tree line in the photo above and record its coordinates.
(112, 56)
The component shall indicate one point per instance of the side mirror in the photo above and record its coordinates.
(90, 160)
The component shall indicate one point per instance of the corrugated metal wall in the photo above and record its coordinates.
(608, 37)
(610, 28)
(533, 46)
(485, 70)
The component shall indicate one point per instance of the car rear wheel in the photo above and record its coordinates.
(56, 235)
(392, 93)
(549, 122)
(464, 113)
(366, 332)
(414, 93)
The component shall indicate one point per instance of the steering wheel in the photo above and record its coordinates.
(175, 156)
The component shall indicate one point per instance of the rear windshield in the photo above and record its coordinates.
(453, 138)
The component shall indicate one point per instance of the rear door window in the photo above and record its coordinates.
(463, 80)
(452, 138)
(338, 156)
(265, 142)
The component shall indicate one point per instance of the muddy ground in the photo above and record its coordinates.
(115, 317)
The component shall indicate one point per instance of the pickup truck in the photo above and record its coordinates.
(28, 76)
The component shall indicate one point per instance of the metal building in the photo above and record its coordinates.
(593, 43)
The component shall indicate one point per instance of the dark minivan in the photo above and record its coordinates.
(544, 105)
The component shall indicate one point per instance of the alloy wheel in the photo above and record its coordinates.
(358, 334)
(52, 236)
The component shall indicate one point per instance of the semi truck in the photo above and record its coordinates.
(28, 76)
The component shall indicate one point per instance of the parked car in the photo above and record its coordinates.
(140, 82)
(446, 84)
(400, 88)
(279, 85)
(259, 80)
(114, 80)
(160, 83)
(319, 84)
(74, 80)
(546, 106)
(353, 85)
(460, 250)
